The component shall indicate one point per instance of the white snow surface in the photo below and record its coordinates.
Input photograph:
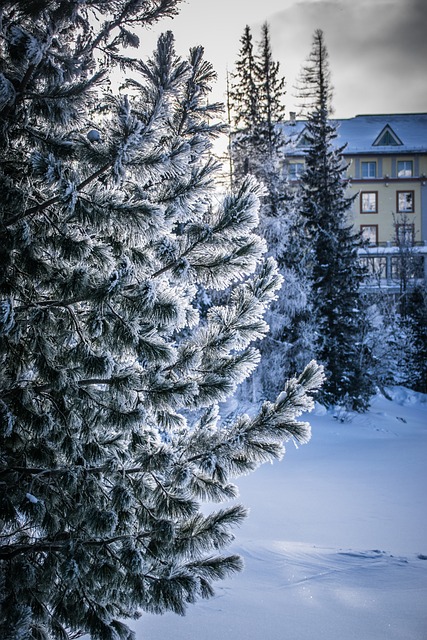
(335, 546)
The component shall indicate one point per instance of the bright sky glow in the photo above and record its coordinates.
(377, 48)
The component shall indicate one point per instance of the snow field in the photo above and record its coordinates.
(335, 546)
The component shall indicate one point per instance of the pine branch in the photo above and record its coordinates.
(10, 551)
(19, 95)
(45, 205)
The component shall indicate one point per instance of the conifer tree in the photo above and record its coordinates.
(271, 91)
(389, 341)
(335, 271)
(243, 97)
(268, 140)
(109, 380)
(256, 100)
(258, 90)
(244, 92)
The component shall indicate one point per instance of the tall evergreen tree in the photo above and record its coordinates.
(244, 91)
(256, 100)
(335, 270)
(258, 90)
(243, 99)
(314, 84)
(109, 380)
(268, 140)
(271, 91)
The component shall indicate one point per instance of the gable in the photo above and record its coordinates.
(302, 140)
(387, 138)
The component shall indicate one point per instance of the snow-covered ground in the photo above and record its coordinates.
(335, 546)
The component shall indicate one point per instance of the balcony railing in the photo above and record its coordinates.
(389, 265)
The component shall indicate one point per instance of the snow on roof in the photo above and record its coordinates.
(361, 132)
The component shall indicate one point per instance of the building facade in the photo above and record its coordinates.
(386, 166)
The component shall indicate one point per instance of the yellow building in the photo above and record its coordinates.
(386, 158)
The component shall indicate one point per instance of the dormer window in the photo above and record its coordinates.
(303, 141)
(387, 138)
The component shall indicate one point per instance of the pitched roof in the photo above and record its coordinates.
(364, 134)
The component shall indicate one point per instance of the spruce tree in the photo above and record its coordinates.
(110, 435)
(244, 92)
(271, 91)
(258, 147)
(243, 98)
(335, 270)
(268, 142)
(256, 101)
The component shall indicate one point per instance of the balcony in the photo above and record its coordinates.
(391, 266)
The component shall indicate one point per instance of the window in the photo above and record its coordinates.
(295, 170)
(303, 141)
(387, 138)
(369, 169)
(369, 202)
(376, 267)
(370, 233)
(404, 169)
(405, 234)
(407, 267)
(405, 201)
(396, 267)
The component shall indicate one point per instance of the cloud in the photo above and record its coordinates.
(377, 48)
(407, 34)
(377, 51)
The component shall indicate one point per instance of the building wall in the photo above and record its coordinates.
(386, 158)
(384, 190)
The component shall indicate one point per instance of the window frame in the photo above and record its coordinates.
(372, 227)
(407, 228)
(412, 269)
(373, 193)
(368, 163)
(408, 162)
(412, 192)
(375, 266)
(299, 169)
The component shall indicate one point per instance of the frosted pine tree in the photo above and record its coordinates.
(269, 141)
(390, 342)
(335, 270)
(110, 437)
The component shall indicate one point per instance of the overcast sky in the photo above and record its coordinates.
(377, 48)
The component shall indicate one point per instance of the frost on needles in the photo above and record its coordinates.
(110, 375)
